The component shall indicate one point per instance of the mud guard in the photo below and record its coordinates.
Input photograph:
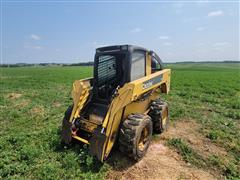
(96, 143)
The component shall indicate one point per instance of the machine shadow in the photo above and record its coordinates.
(119, 161)
(116, 160)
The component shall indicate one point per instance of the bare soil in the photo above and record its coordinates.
(22, 104)
(189, 131)
(56, 104)
(13, 96)
(37, 111)
(161, 162)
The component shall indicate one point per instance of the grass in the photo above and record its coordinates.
(30, 125)
(33, 100)
(216, 163)
(188, 154)
(209, 94)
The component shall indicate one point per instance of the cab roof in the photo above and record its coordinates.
(114, 48)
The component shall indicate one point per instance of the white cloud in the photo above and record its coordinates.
(30, 46)
(35, 37)
(136, 30)
(163, 37)
(200, 44)
(167, 44)
(201, 28)
(215, 13)
(37, 47)
(202, 3)
(97, 44)
(103, 45)
(221, 44)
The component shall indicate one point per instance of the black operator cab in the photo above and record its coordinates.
(116, 65)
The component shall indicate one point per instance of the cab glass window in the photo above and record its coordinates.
(138, 65)
(155, 65)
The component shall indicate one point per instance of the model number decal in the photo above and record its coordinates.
(152, 81)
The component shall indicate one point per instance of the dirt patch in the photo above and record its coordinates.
(22, 104)
(3, 106)
(13, 96)
(189, 131)
(37, 111)
(161, 162)
(56, 104)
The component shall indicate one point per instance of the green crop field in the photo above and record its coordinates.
(33, 101)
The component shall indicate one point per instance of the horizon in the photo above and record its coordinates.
(69, 32)
(86, 62)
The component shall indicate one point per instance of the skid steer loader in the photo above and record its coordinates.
(120, 104)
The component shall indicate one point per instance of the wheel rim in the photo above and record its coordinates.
(143, 139)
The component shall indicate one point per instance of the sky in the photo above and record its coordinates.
(70, 31)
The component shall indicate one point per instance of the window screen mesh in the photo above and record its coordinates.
(106, 69)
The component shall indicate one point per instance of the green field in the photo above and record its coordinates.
(33, 100)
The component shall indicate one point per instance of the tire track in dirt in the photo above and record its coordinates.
(161, 162)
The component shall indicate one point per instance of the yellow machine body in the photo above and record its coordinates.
(134, 96)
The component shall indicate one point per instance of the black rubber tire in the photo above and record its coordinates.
(130, 134)
(157, 108)
(66, 133)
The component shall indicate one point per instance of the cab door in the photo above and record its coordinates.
(153, 63)
(138, 64)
